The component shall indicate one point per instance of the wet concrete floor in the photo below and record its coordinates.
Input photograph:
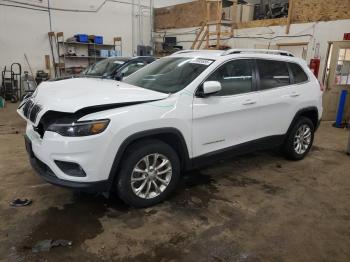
(258, 207)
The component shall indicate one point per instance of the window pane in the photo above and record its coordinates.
(342, 71)
(273, 74)
(298, 73)
(132, 68)
(235, 77)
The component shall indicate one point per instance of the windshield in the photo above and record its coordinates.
(104, 68)
(169, 75)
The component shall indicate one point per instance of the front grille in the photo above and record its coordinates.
(34, 113)
(31, 110)
(27, 107)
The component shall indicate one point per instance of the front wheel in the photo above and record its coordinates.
(150, 172)
(300, 139)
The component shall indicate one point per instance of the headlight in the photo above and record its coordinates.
(83, 128)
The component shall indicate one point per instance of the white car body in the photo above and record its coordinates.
(206, 124)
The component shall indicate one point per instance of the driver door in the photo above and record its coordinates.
(229, 117)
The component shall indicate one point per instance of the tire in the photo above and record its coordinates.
(291, 148)
(135, 159)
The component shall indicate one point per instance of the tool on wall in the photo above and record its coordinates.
(29, 85)
(30, 68)
(53, 47)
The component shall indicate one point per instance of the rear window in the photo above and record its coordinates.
(273, 74)
(298, 73)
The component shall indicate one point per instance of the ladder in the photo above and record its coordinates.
(206, 29)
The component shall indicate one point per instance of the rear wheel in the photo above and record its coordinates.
(300, 139)
(150, 172)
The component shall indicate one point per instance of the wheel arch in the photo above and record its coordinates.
(171, 136)
(309, 112)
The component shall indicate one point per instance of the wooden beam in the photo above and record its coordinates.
(290, 14)
(198, 35)
(218, 26)
(208, 25)
(202, 39)
(233, 15)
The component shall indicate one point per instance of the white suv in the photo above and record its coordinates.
(137, 136)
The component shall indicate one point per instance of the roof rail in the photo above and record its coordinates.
(262, 51)
(192, 51)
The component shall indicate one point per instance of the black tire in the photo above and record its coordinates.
(132, 156)
(288, 147)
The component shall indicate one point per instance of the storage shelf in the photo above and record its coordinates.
(80, 43)
(92, 51)
(88, 57)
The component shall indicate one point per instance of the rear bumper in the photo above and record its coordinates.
(49, 176)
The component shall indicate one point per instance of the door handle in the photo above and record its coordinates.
(294, 95)
(249, 102)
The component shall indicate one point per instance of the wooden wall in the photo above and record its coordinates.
(320, 10)
(180, 16)
(193, 14)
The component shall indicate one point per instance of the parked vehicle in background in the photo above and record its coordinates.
(117, 67)
(136, 137)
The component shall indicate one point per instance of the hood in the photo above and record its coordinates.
(79, 94)
(71, 95)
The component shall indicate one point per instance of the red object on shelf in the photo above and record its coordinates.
(347, 36)
(315, 65)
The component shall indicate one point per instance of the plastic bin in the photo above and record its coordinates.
(104, 53)
(112, 53)
(98, 40)
(82, 38)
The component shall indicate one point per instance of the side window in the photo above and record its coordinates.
(298, 73)
(273, 74)
(132, 68)
(235, 77)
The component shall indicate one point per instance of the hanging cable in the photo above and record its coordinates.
(70, 10)
(24, 7)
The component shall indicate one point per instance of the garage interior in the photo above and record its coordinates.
(255, 207)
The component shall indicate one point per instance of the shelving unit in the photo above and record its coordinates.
(74, 57)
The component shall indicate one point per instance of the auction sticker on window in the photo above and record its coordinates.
(201, 61)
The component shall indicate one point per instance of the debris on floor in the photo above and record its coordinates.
(20, 202)
(47, 244)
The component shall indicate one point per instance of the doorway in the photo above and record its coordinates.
(336, 78)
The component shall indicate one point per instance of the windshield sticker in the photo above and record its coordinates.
(119, 62)
(201, 62)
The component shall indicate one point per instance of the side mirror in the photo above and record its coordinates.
(209, 88)
(119, 77)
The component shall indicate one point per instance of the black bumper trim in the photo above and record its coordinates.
(46, 173)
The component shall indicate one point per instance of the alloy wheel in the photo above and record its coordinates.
(302, 139)
(151, 176)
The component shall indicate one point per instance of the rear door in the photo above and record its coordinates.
(277, 99)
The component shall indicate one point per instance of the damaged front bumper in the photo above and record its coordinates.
(49, 176)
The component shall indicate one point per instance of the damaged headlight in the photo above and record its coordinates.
(81, 128)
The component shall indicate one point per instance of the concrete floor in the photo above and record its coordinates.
(259, 207)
